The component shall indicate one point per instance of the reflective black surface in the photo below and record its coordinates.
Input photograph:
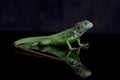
(102, 58)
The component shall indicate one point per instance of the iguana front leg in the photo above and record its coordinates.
(69, 45)
(82, 45)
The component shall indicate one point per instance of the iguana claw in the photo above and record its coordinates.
(84, 45)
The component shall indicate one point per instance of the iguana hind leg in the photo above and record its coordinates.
(45, 42)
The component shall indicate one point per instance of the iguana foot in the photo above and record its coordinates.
(73, 49)
(84, 45)
(34, 44)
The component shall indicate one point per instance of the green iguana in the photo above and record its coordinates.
(66, 37)
(62, 38)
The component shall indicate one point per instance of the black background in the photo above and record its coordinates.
(58, 15)
(102, 58)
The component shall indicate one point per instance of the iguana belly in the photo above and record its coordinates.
(57, 41)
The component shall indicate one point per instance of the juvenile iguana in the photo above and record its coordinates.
(62, 38)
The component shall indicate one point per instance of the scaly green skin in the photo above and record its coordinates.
(63, 38)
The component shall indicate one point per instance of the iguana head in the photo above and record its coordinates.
(82, 27)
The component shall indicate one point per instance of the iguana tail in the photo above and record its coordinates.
(28, 40)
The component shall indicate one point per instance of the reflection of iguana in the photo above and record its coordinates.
(63, 54)
(63, 38)
(71, 58)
